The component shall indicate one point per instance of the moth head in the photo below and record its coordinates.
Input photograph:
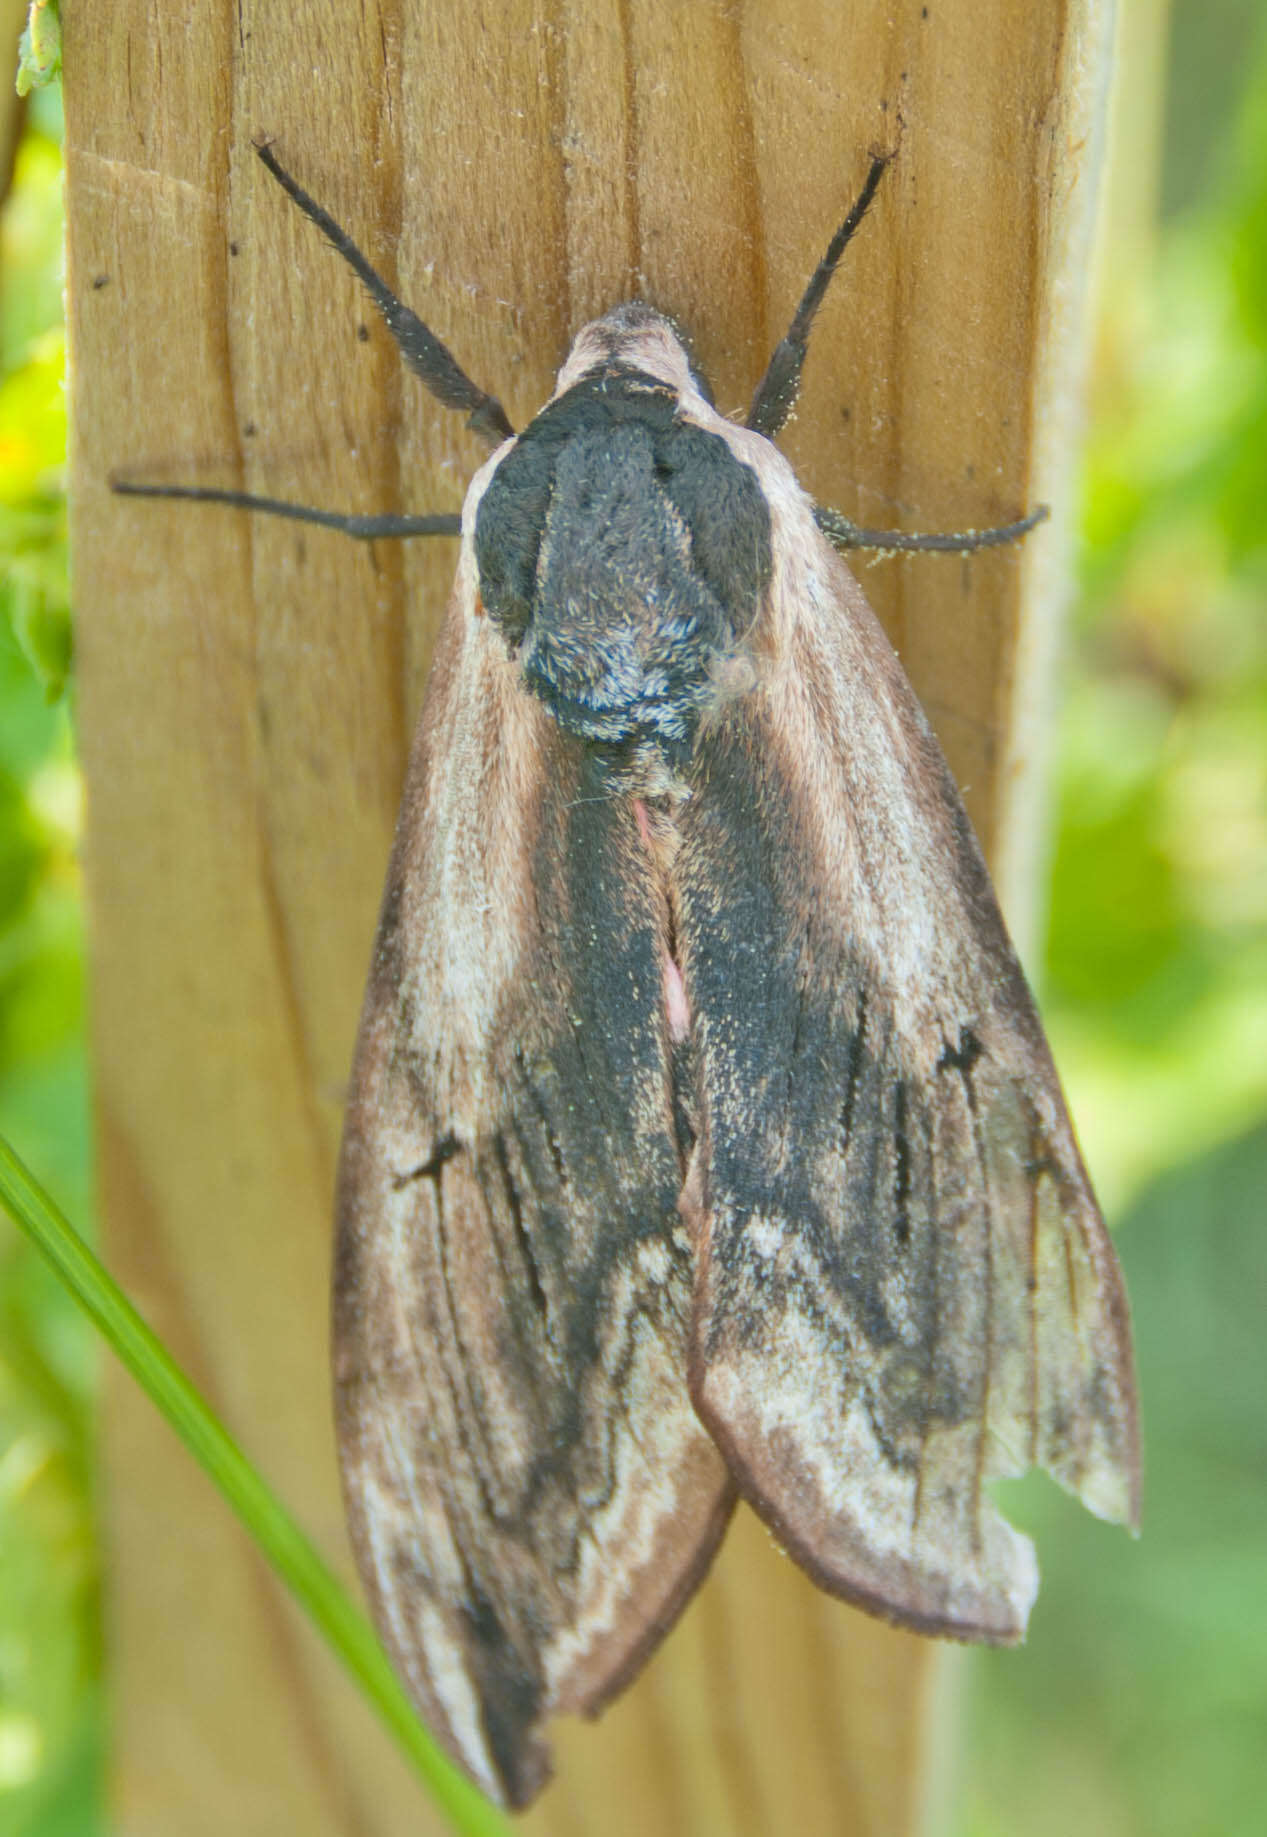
(636, 337)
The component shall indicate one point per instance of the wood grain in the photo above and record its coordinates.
(246, 691)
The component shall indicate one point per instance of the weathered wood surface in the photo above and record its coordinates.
(246, 691)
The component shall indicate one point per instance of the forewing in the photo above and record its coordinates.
(531, 1494)
(904, 1286)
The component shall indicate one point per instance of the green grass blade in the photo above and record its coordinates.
(270, 1524)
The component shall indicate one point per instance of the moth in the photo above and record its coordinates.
(703, 1139)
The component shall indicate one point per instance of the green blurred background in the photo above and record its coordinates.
(1139, 1706)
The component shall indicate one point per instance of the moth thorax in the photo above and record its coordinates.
(622, 550)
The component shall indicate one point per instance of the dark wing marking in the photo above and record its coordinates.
(904, 1286)
(531, 1494)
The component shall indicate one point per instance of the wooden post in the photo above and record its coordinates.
(246, 691)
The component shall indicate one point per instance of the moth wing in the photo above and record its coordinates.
(904, 1286)
(531, 1495)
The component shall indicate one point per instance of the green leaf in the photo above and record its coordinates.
(40, 48)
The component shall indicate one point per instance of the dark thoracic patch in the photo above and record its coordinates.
(621, 550)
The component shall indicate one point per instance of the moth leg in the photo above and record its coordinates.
(417, 343)
(779, 387)
(843, 534)
(364, 528)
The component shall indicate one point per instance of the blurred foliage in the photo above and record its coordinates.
(40, 47)
(34, 603)
(49, 1657)
(1157, 969)
(1137, 1708)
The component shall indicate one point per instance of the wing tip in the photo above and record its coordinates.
(517, 1762)
(493, 1733)
(504, 1751)
(522, 1765)
(1112, 1489)
(1103, 1465)
(990, 1606)
(601, 1689)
